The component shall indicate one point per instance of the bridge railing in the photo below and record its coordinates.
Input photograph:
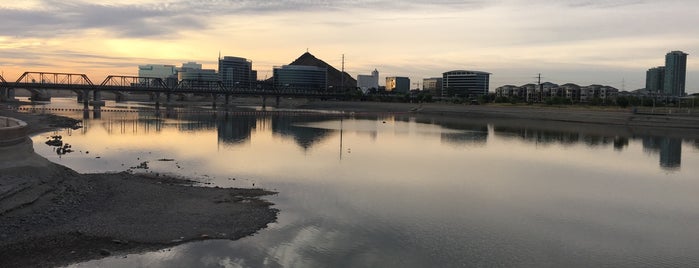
(134, 82)
(54, 79)
(201, 86)
(80, 82)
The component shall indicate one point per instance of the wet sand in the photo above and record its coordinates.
(51, 215)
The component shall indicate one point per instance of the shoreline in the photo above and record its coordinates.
(618, 117)
(51, 215)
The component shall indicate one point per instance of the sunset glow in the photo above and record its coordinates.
(579, 41)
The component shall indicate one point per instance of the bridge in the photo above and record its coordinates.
(39, 82)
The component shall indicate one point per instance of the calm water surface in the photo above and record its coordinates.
(399, 191)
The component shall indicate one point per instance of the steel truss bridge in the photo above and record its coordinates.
(35, 82)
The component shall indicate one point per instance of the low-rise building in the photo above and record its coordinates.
(398, 84)
(300, 77)
(547, 90)
(432, 85)
(368, 82)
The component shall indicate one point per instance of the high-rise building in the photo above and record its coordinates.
(675, 73)
(366, 82)
(432, 85)
(655, 79)
(236, 72)
(398, 84)
(463, 83)
(299, 77)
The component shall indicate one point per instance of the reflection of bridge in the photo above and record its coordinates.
(38, 82)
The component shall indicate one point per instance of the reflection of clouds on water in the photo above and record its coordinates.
(291, 253)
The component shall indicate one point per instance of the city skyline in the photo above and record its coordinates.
(584, 42)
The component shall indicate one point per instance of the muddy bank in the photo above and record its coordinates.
(51, 215)
(609, 117)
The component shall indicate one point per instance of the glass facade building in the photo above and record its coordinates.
(655, 79)
(675, 73)
(461, 83)
(299, 77)
(236, 72)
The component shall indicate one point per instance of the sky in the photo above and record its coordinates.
(609, 42)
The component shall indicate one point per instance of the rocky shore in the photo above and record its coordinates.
(51, 215)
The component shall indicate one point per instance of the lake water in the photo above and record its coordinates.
(395, 190)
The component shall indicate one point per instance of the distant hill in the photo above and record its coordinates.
(334, 75)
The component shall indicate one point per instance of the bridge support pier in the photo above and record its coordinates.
(40, 95)
(11, 94)
(228, 99)
(97, 96)
(157, 101)
(277, 102)
(213, 104)
(120, 97)
(86, 101)
(264, 102)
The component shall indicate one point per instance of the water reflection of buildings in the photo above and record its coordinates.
(561, 137)
(236, 128)
(304, 136)
(670, 150)
(458, 132)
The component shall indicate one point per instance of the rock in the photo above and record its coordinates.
(105, 252)
(120, 242)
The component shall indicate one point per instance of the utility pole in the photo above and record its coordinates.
(342, 75)
(539, 87)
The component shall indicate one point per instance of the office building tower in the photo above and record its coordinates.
(655, 79)
(466, 84)
(236, 72)
(300, 78)
(675, 73)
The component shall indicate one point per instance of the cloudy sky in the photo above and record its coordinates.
(611, 42)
